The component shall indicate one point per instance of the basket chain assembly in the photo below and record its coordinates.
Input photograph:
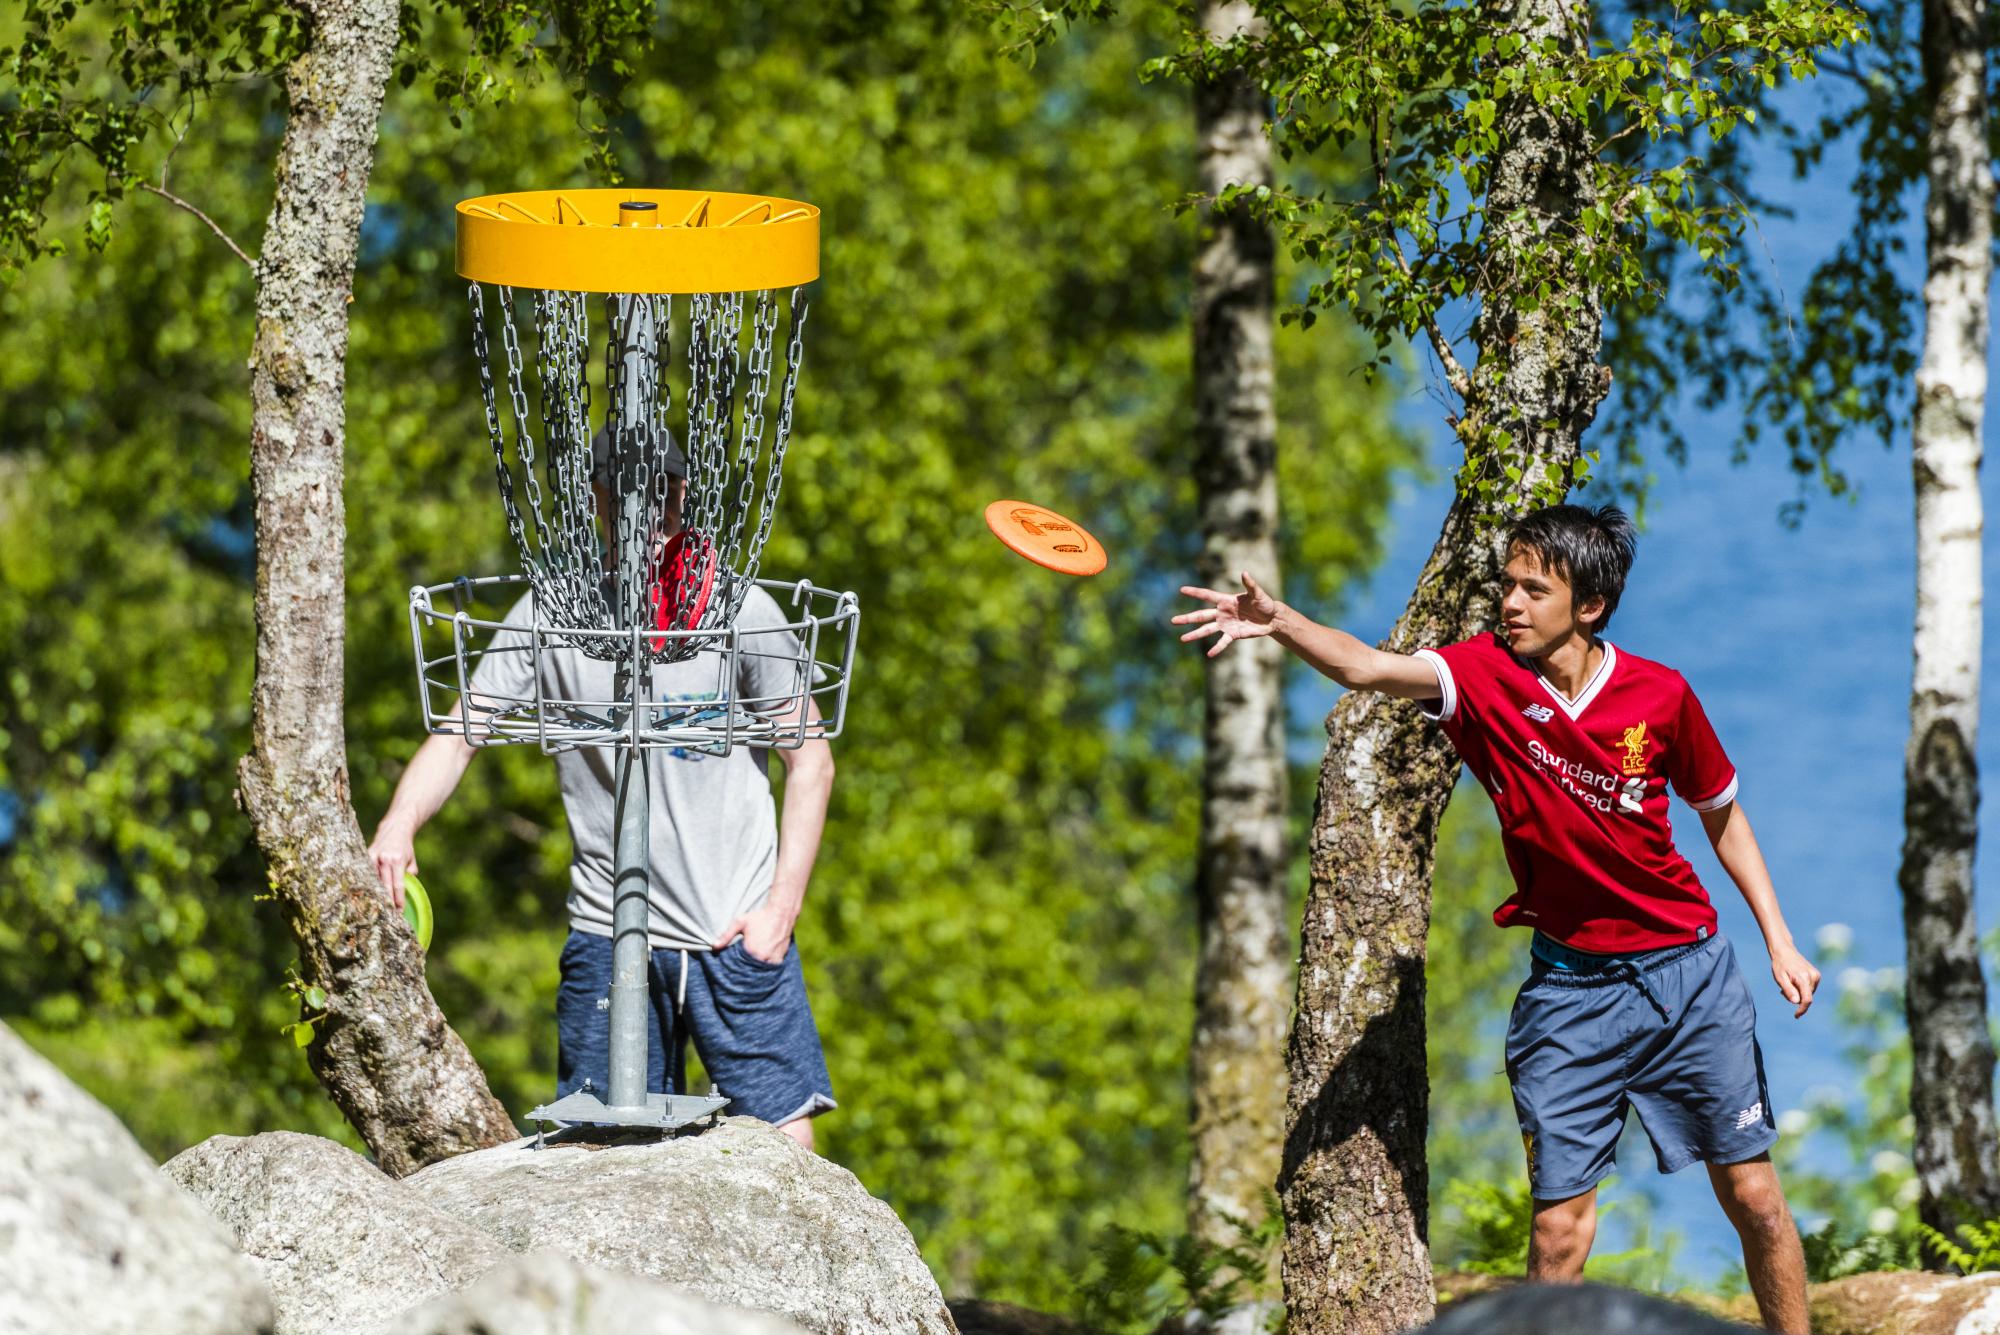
(552, 509)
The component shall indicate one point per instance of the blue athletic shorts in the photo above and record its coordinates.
(749, 1021)
(1672, 1033)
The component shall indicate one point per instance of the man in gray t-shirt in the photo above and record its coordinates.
(725, 889)
(714, 841)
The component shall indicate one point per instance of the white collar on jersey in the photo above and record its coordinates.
(1597, 682)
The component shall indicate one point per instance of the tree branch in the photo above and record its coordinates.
(1847, 69)
(178, 202)
(1454, 374)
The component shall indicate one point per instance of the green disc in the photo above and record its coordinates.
(417, 909)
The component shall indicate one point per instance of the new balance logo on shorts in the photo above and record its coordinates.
(1750, 1116)
(1539, 713)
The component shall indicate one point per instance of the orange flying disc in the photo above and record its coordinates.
(1045, 537)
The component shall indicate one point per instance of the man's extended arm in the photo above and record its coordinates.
(1332, 653)
(433, 773)
(767, 930)
(1729, 831)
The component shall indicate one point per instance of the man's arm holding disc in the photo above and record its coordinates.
(432, 775)
(1333, 653)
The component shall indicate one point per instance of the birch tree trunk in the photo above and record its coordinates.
(383, 1051)
(1354, 1181)
(1951, 1085)
(1237, 1064)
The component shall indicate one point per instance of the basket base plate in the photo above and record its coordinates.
(662, 1110)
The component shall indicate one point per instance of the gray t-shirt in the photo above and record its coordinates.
(714, 837)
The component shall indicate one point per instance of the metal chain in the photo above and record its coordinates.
(648, 526)
(556, 580)
(672, 585)
(642, 442)
(477, 296)
(524, 439)
(763, 324)
(618, 323)
(570, 469)
(774, 479)
(551, 557)
(706, 474)
(564, 554)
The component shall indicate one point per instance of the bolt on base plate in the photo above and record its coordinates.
(661, 1110)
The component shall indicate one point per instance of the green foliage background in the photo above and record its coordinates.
(999, 940)
(999, 937)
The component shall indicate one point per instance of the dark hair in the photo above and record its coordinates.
(669, 457)
(1592, 549)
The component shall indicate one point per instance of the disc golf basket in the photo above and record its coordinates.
(708, 380)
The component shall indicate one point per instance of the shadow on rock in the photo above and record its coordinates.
(1536, 1309)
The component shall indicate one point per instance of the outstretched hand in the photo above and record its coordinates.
(1233, 616)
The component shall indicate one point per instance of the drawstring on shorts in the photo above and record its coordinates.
(1631, 970)
(1632, 974)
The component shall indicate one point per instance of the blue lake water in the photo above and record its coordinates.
(1798, 642)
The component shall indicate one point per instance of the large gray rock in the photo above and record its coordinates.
(739, 1214)
(342, 1246)
(92, 1238)
(548, 1293)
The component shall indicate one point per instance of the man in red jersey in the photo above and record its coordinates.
(1632, 999)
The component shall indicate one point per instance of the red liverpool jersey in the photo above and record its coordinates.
(1581, 789)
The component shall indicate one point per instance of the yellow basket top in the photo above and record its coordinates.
(622, 240)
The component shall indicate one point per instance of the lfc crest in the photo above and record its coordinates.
(1635, 748)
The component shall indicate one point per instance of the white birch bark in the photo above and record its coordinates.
(1244, 968)
(1951, 1088)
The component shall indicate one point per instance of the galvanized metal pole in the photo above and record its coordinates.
(630, 903)
(629, 949)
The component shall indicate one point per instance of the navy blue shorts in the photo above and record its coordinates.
(749, 1021)
(1672, 1033)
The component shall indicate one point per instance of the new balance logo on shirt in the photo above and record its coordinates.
(1750, 1116)
(1539, 713)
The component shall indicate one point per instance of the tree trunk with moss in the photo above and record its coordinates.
(1354, 1181)
(382, 1049)
(1237, 1061)
(1951, 1070)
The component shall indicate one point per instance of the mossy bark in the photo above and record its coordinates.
(1354, 1181)
(383, 1049)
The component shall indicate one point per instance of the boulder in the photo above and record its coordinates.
(1533, 1309)
(1906, 1302)
(739, 1214)
(342, 1246)
(548, 1293)
(92, 1238)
